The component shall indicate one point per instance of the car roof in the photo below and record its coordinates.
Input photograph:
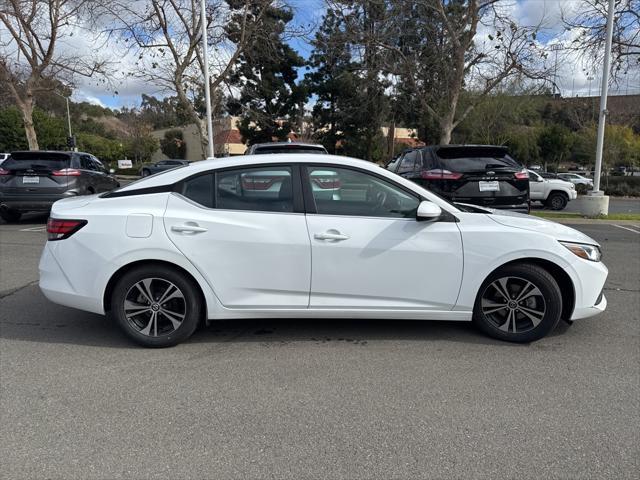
(275, 144)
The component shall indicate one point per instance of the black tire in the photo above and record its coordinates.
(557, 200)
(10, 215)
(162, 332)
(547, 305)
(145, 173)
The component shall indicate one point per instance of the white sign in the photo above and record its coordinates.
(489, 186)
(125, 164)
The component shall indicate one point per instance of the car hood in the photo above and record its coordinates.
(557, 181)
(540, 225)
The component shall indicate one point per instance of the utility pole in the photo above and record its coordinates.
(598, 203)
(205, 68)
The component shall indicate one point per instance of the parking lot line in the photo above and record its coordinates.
(627, 228)
(39, 228)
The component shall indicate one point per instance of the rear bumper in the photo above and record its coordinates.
(32, 203)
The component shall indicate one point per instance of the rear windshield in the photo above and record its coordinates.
(37, 161)
(470, 160)
(288, 149)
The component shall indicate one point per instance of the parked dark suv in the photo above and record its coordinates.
(285, 147)
(478, 174)
(32, 181)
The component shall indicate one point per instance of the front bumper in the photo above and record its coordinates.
(590, 300)
(32, 203)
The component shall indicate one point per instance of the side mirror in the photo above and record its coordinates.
(428, 211)
(112, 171)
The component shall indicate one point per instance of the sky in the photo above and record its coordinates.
(574, 76)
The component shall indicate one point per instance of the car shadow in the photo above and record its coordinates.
(28, 316)
(32, 218)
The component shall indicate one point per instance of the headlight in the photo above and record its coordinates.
(572, 187)
(588, 252)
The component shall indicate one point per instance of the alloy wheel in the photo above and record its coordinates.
(513, 304)
(155, 307)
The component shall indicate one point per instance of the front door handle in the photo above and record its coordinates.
(331, 235)
(188, 228)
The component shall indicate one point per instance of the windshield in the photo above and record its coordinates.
(37, 161)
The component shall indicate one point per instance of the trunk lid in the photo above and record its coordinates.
(35, 173)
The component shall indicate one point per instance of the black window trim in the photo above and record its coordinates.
(303, 201)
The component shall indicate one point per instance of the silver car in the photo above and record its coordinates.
(32, 181)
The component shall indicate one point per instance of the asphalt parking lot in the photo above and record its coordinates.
(317, 399)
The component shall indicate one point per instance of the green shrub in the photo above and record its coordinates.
(621, 186)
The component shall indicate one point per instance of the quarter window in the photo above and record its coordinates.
(341, 191)
(200, 189)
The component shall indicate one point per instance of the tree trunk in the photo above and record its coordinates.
(446, 128)
(26, 107)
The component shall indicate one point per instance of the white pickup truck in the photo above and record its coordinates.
(553, 193)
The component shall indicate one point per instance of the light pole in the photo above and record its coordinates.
(68, 115)
(555, 48)
(598, 203)
(205, 68)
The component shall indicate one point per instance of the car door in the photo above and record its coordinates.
(90, 173)
(536, 186)
(369, 251)
(244, 230)
(105, 181)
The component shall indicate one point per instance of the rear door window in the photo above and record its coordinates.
(265, 189)
(408, 162)
(37, 161)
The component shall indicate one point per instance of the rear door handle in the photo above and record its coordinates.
(187, 228)
(331, 235)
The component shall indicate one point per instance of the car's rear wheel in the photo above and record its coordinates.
(518, 303)
(156, 306)
(557, 200)
(10, 215)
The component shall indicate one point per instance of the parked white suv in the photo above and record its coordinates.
(552, 192)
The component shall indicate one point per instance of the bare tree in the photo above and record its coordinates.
(589, 19)
(165, 35)
(437, 56)
(31, 59)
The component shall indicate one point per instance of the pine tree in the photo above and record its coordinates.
(269, 98)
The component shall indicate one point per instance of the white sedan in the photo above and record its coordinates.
(178, 248)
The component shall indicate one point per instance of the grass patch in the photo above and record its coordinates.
(613, 216)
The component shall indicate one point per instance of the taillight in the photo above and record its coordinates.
(67, 172)
(326, 183)
(522, 175)
(4, 172)
(259, 183)
(439, 174)
(59, 228)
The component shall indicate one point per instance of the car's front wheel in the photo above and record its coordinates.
(156, 306)
(557, 200)
(518, 303)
